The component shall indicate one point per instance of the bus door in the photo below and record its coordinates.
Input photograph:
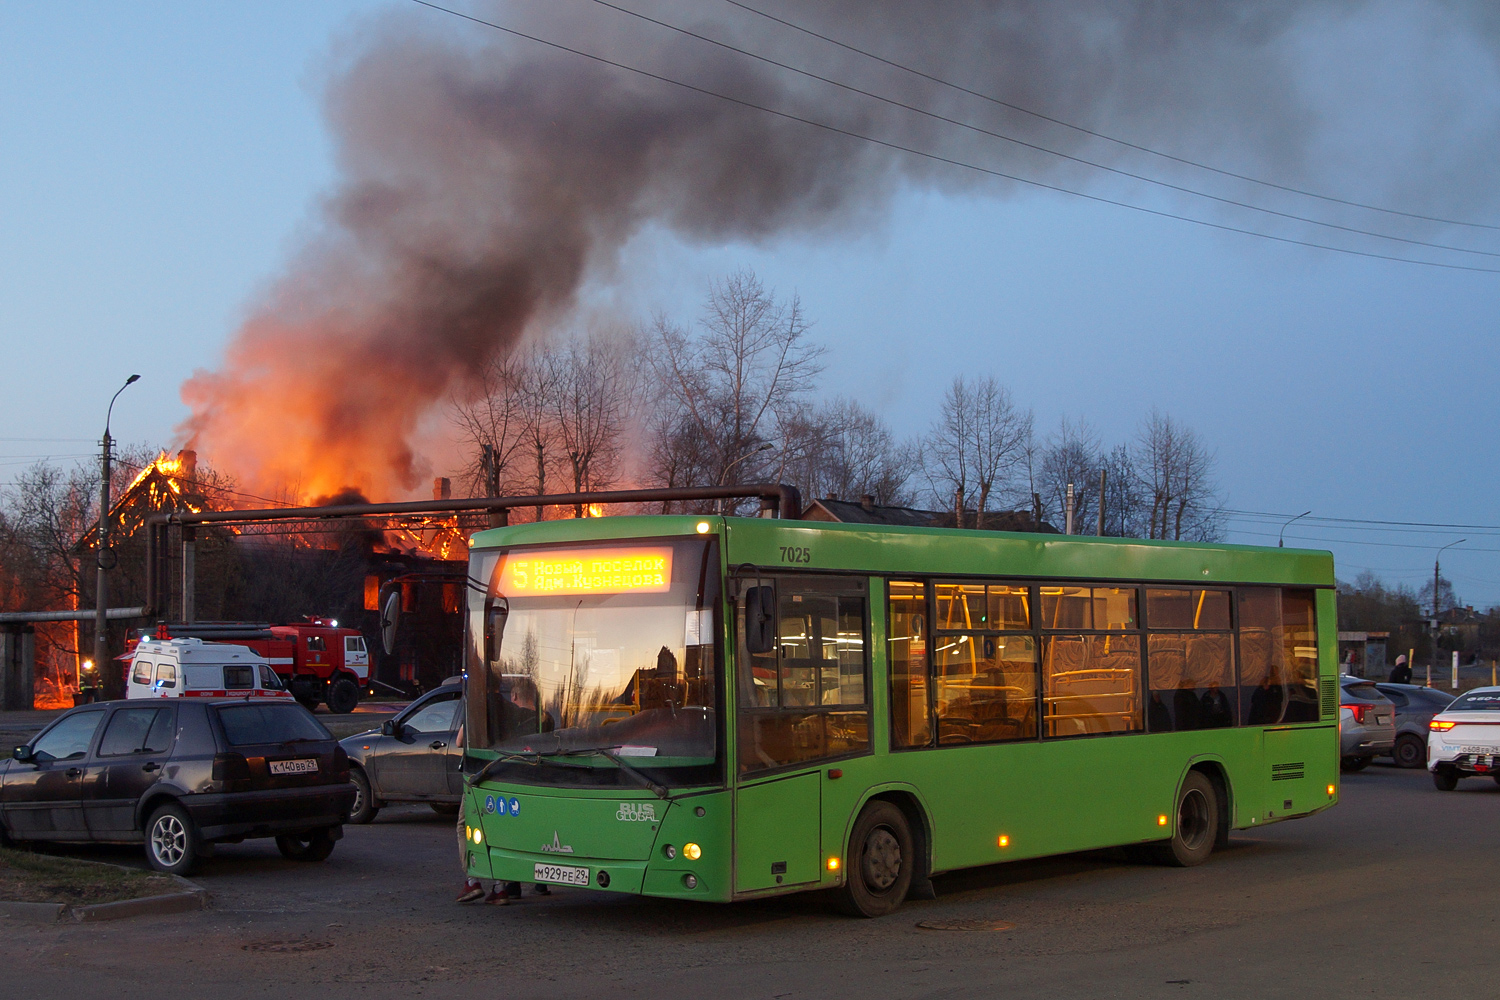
(802, 699)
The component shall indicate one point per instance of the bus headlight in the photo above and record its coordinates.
(692, 852)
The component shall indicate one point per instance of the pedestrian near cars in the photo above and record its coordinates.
(1401, 672)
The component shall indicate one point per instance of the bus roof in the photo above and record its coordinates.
(887, 549)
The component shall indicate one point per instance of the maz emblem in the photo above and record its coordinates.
(557, 848)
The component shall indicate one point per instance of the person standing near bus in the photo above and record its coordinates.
(1401, 672)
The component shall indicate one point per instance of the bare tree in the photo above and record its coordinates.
(1177, 472)
(1125, 507)
(491, 420)
(725, 389)
(977, 447)
(840, 449)
(1072, 454)
(590, 391)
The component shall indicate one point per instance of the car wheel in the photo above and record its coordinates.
(365, 804)
(1354, 763)
(1445, 778)
(1197, 826)
(314, 845)
(343, 696)
(1410, 751)
(879, 864)
(173, 845)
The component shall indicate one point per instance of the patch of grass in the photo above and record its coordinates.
(43, 878)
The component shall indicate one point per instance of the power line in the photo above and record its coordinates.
(937, 158)
(1359, 520)
(1169, 185)
(1101, 135)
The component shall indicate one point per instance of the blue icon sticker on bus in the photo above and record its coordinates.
(515, 807)
(489, 803)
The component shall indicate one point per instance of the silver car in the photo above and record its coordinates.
(1367, 723)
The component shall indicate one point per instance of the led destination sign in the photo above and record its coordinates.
(631, 570)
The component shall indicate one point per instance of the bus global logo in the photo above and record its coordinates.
(557, 847)
(636, 812)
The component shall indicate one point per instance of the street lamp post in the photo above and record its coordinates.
(1280, 542)
(1436, 576)
(103, 555)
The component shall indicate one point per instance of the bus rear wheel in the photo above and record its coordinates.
(879, 863)
(1197, 825)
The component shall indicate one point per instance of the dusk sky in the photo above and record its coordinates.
(162, 165)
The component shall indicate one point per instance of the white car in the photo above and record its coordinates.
(1463, 740)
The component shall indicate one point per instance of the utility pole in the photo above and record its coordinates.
(1103, 473)
(1436, 579)
(1068, 513)
(104, 556)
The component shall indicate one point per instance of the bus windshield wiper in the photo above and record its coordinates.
(608, 753)
(535, 758)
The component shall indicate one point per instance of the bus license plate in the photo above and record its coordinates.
(294, 767)
(560, 874)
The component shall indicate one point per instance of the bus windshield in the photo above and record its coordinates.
(611, 647)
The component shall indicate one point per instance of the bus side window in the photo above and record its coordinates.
(906, 651)
(808, 698)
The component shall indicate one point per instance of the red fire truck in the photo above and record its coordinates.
(317, 660)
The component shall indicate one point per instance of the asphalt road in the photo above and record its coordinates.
(1390, 894)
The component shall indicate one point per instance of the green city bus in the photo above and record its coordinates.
(724, 708)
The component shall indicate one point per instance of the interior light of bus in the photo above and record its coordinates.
(1003, 840)
(833, 864)
(1161, 821)
(702, 527)
(1441, 727)
(692, 852)
(624, 570)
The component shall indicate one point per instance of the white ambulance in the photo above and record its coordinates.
(192, 668)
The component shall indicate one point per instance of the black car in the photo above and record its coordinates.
(415, 757)
(1415, 707)
(180, 774)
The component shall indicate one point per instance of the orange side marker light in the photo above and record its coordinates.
(1161, 820)
(1330, 791)
(1003, 840)
(833, 864)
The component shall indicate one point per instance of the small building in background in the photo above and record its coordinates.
(1363, 654)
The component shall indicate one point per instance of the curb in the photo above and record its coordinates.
(192, 897)
(48, 913)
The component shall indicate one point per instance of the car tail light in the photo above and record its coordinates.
(1440, 725)
(1360, 711)
(231, 767)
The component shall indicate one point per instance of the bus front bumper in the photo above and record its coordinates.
(681, 880)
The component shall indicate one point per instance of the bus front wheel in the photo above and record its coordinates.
(879, 864)
(1197, 823)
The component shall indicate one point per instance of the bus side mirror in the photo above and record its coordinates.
(760, 619)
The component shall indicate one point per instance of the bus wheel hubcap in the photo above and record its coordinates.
(1193, 819)
(882, 859)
